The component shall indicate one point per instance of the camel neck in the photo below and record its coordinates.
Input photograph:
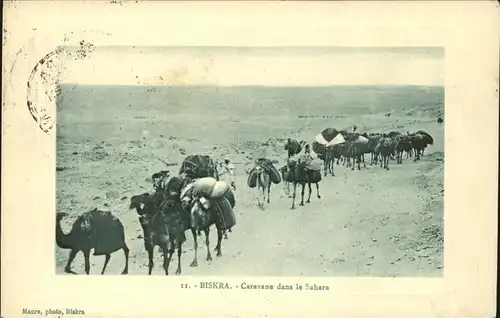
(62, 240)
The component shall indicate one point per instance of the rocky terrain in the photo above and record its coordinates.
(368, 223)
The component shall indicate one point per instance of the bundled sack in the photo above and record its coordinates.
(362, 140)
(197, 166)
(316, 164)
(272, 171)
(209, 188)
(269, 168)
(225, 212)
(252, 178)
(339, 139)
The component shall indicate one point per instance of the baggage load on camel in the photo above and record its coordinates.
(339, 139)
(315, 164)
(197, 166)
(225, 212)
(252, 178)
(187, 191)
(362, 140)
(210, 188)
(219, 190)
(230, 197)
(329, 133)
(321, 140)
(274, 174)
(269, 168)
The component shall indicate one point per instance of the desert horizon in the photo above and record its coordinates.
(111, 139)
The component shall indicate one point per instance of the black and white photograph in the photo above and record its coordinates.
(249, 159)
(254, 161)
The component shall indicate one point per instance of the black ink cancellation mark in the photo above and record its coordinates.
(43, 90)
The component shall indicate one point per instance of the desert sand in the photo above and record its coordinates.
(372, 222)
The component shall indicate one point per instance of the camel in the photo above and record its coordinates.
(293, 147)
(205, 218)
(418, 143)
(182, 181)
(356, 150)
(263, 184)
(162, 225)
(332, 153)
(95, 229)
(297, 174)
(384, 148)
(374, 138)
(403, 144)
(424, 139)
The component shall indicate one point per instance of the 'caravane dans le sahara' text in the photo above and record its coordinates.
(221, 285)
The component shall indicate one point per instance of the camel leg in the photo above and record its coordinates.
(309, 198)
(179, 254)
(86, 255)
(293, 196)
(268, 193)
(207, 243)
(126, 252)
(72, 255)
(364, 164)
(108, 256)
(302, 194)
(150, 257)
(317, 190)
(218, 248)
(167, 254)
(194, 263)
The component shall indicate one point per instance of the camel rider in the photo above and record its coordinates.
(228, 171)
(307, 157)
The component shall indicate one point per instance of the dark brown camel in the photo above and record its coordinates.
(384, 148)
(175, 186)
(95, 229)
(293, 147)
(298, 173)
(403, 144)
(163, 225)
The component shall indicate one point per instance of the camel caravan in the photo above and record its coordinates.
(197, 198)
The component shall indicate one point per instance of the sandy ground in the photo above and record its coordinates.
(368, 223)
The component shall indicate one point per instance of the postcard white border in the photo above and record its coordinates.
(467, 30)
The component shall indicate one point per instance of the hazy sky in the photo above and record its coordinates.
(257, 66)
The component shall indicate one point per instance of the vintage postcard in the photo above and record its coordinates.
(264, 165)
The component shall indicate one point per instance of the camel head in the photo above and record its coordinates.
(60, 215)
(258, 169)
(138, 202)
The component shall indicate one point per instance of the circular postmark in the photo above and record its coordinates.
(43, 90)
